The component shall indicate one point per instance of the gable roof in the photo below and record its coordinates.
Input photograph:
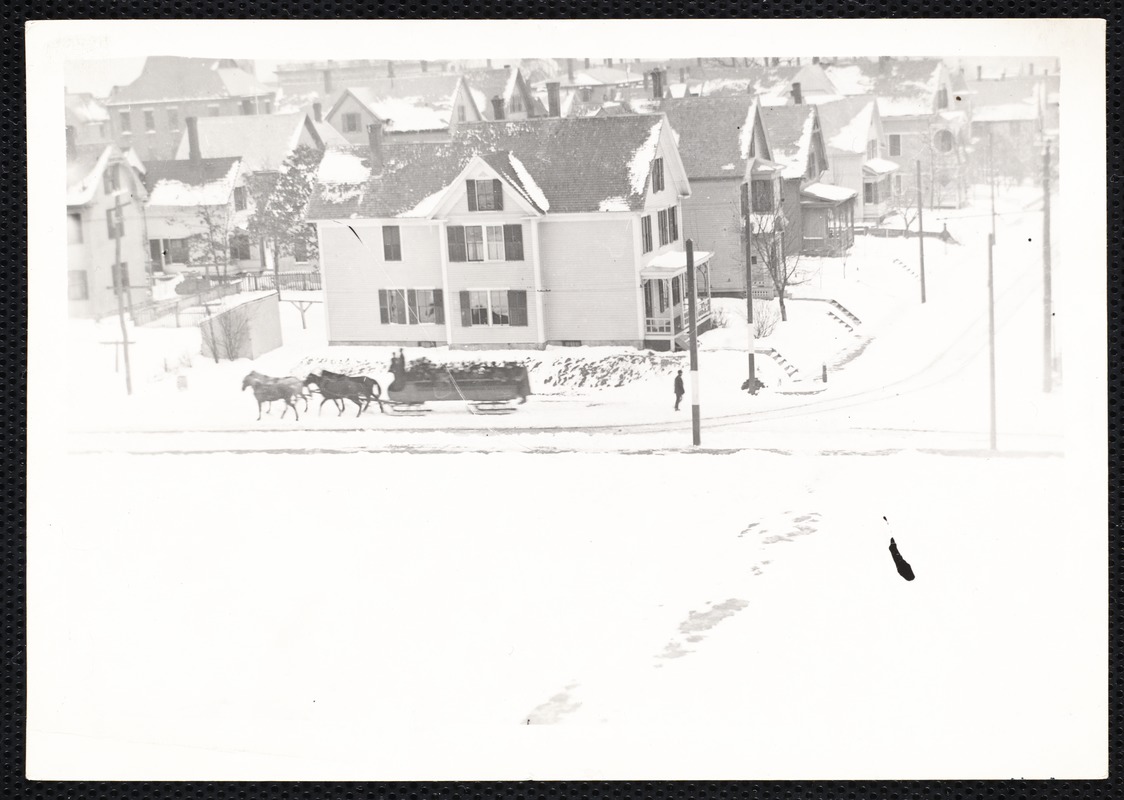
(165, 78)
(577, 165)
(714, 133)
(904, 87)
(401, 114)
(84, 168)
(262, 141)
(485, 84)
(791, 131)
(1007, 100)
(206, 182)
(846, 123)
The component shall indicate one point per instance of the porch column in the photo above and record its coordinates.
(536, 263)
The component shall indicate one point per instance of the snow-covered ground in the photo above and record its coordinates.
(572, 591)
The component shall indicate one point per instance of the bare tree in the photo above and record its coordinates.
(765, 318)
(211, 245)
(227, 335)
(767, 237)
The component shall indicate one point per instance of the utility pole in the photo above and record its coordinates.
(921, 230)
(1047, 298)
(991, 334)
(119, 289)
(749, 285)
(991, 173)
(695, 424)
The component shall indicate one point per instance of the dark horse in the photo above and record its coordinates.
(268, 389)
(338, 390)
(372, 392)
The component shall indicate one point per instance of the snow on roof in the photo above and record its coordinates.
(405, 114)
(879, 166)
(534, 192)
(427, 205)
(83, 173)
(82, 109)
(177, 78)
(263, 141)
(642, 159)
(828, 193)
(904, 87)
(790, 130)
(1009, 100)
(847, 123)
(677, 260)
(340, 166)
(208, 182)
(613, 204)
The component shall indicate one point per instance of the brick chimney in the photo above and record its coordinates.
(797, 95)
(318, 112)
(609, 62)
(425, 66)
(586, 63)
(497, 107)
(979, 72)
(1031, 66)
(657, 84)
(327, 81)
(374, 140)
(390, 69)
(815, 59)
(682, 74)
(193, 151)
(647, 77)
(570, 69)
(71, 145)
(554, 99)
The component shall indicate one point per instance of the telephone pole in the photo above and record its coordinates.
(1047, 299)
(749, 285)
(694, 336)
(991, 180)
(920, 230)
(991, 335)
(119, 289)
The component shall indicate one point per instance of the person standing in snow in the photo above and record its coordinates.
(678, 389)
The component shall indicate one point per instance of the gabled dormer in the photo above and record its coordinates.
(665, 181)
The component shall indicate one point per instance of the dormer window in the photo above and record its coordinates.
(350, 123)
(657, 175)
(485, 195)
(762, 196)
(942, 98)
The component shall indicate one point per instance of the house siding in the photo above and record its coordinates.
(355, 270)
(590, 280)
(916, 144)
(712, 220)
(161, 142)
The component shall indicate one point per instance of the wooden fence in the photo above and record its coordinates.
(293, 281)
(150, 312)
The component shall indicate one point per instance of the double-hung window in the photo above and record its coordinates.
(673, 223)
(115, 223)
(391, 243)
(239, 198)
(111, 179)
(351, 123)
(657, 175)
(411, 307)
(870, 194)
(663, 227)
(762, 197)
(150, 120)
(178, 251)
(485, 195)
(125, 121)
(646, 234)
(494, 307)
(895, 144)
(485, 243)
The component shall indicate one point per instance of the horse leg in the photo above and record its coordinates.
(293, 403)
(286, 408)
(259, 410)
(359, 402)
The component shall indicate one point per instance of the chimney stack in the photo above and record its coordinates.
(570, 69)
(193, 139)
(815, 59)
(318, 112)
(657, 84)
(979, 72)
(71, 144)
(497, 107)
(488, 63)
(609, 62)
(390, 69)
(425, 66)
(797, 95)
(884, 65)
(1031, 65)
(553, 99)
(698, 61)
(586, 63)
(682, 74)
(374, 140)
(327, 81)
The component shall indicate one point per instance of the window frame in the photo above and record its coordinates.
(893, 139)
(944, 134)
(658, 183)
(870, 192)
(149, 115)
(392, 250)
(115, 222)
(494, 194)
(182, 242)
(646, 234)
(409, 298)
(125, 120)
(240, 198)
(213, 110)
(505, 243)
(239, 244)
(349, 117)
(758, 189)
(517, 314)
(673, 224)
(74, 233)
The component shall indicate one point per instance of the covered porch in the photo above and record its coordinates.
(664, 287)
(829, 219)
(877, 190)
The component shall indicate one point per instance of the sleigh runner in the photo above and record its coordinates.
(486, 388)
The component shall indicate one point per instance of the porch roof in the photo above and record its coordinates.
(828, 193)
(668, 265)
(879, 167)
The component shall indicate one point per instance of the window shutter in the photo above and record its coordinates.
(110, 223)
(517, 307)
(384, 313)
(439, 306)
(466, 310)
(673, 218)
(471, 187)
(513, 242)
(497, 194)
(412, 316)
(456, 242)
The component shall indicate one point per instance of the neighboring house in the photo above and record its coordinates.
(148, 114)
(89, 120)
(1009, 125)
(262, 142)
(417, 108)
(98, 177)
(512, 234)
(820, 217)
(322, 81)
(924, 119)
(503, 94)
(772, 85)
(720, 139)
(198, 210)
(852, 130)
